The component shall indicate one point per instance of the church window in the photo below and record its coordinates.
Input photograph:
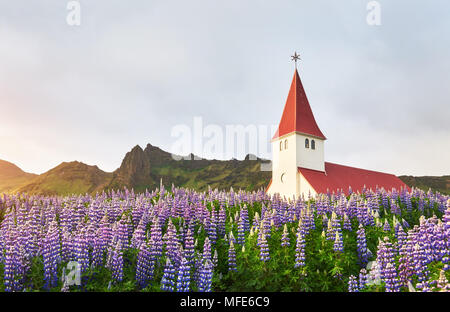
(313, 144)
(281, 145)
(285, 144)
(306, 143)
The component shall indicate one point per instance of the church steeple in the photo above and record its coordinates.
(298, 142)
(297, 114)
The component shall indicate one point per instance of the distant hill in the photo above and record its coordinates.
(144, 168)
(133, 172)
(441, 184)
(12, 176)
(67, 178)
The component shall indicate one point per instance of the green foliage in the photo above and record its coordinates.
(324, 270)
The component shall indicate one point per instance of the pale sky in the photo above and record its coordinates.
(134, 70)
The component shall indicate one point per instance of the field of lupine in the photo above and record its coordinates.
(182, 240)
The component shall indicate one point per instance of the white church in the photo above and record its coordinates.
(298, 162)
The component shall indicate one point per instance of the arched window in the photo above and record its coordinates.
(306, 143)
(313, 144)
(285, 144)
(281, 145)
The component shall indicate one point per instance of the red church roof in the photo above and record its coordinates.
(337, 177)
(297, 114)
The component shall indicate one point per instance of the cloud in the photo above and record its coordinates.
(130, 73)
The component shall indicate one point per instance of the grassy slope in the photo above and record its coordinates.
(143, 169)
(441, 184)
(12, 176)
(67, 178)
(217, 174)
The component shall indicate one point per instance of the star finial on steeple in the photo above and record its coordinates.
(295, 58)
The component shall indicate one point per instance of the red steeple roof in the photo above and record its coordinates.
(297, 114)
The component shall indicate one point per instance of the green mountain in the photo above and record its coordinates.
(133, 172)
(144, 169)
(67, 178)
(12, 176)
(441, 184)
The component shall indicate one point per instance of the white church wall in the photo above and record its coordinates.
(308, 157)
(305, 189)
(284, 163)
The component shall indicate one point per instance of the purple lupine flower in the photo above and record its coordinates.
(418, 263)
(156, 238)
(338, 243)
(67, 244)
(13, 269)
(324, 222)
(144, 266)
(215, 259)
(153, 258)
(394, 208)
(81, 251)
(206, 250)
(115, 262)
(212, 227)
(206, 217)
(51, 255)
(390, 278)
(347, 223)
(352, 284)
(101, 241)
(256, 221)
(197, 268)
(333, 227)
(171, 242)
(446, 220)
(330, 232)
(442, 283)
(385, 260)
(310, 224)
(362, 278)
(241, 232)
(189, 248)
(266, 228)
(384, 255)
(139, 234)
(400, 235)
(205, 277)
(446, 234)
(386, 227)
(232, 258)
(121, 232)
(178, 255)
(407, 201)
(405, 266)
(424, 286)
(362, 246)
(405, 224)
(168, 279)
(221, 223)
(184, 277)
(264, 247)
(285, 237)
(244, 216)
(300, 250)
(231, 238)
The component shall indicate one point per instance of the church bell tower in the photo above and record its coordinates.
(297, 143)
